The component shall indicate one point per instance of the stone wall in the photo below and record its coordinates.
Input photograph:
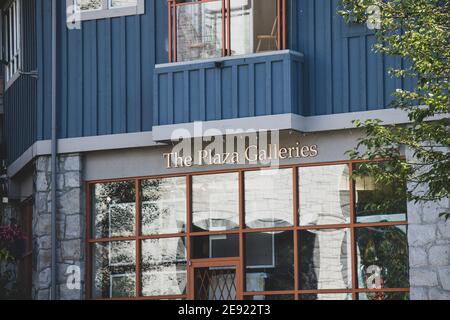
(70, 228)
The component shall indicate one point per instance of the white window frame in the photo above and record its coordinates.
(106, 11)
(13, 41)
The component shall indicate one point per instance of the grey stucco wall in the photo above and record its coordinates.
(70, 228)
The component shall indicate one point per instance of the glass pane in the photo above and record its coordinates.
(382, 257)
(199, 31)
(85, 5)
(384, 296)
(268, 198)
(164, 267)
(326, 296)
(377, 200)
(215, 202)
(114, 209)
(325, 259)
(114, 269)
(271, 297)
(324, 195)
(217, 246)
(163, 206)
(254, 26)
(122, 3)
(269, 261)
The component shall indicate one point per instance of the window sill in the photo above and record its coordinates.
(108, 13)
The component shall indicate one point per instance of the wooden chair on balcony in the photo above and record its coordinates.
(268, 38)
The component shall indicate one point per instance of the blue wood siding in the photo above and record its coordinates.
(20, 97)
(248, 87)
(106, 75)
(105, 71)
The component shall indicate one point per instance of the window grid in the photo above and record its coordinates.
(297, 293)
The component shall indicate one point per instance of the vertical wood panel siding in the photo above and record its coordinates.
(105, 75)
(20, 98)
(252, 86)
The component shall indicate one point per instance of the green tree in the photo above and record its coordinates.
(417, 31)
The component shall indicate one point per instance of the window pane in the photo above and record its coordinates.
(326, 296)
(113, 209)
(123, 3)
(163, 206)
(114, 269)
(325, 259)
(382, 257)
(269, 261)
(215, 202)
(254, 26)
(164, 267)
(216, 246)
(377, 200)
(199, 31)
(268, 198)
(324, 195)
(271, 297)
(384, 296)
(85, 5)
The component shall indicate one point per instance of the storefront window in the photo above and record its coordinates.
(164, 270)
(269, 261)
(324, 195)
(163, 206)
(377, 200)
(114, 209)
(114, 269)
(215, 202)
(298, 232)
(382, 257)
(268, 198)
(326, 259)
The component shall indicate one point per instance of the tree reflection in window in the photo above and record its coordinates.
(382, 256)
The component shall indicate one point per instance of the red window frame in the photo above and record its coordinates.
(297, 293)
(172, 6)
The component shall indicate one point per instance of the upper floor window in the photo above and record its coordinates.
(98, 9)
(202, 29)
(11, 40)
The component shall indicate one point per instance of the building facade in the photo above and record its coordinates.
(170, 149)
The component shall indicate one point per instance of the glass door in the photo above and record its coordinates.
(215, 280)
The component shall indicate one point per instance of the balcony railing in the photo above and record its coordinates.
(227, 88)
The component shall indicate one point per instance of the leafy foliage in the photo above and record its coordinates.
(418, 31)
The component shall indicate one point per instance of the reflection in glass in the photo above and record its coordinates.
(86, 5)
(114, 269)
(325, 259)
(376, 200)
(326, 296)
(164, 267)
(215, 202)
(123, 3)
(113, 209)
(163, 206)
(268, 198)
(384, 296)
(254, 26)
(324, 195)
(215, 246)
(269, 259)
(271, 297)
(382, 257)
(199, 31)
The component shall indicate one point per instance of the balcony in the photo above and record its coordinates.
(226, 88)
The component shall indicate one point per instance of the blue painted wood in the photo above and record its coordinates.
(108, 84)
